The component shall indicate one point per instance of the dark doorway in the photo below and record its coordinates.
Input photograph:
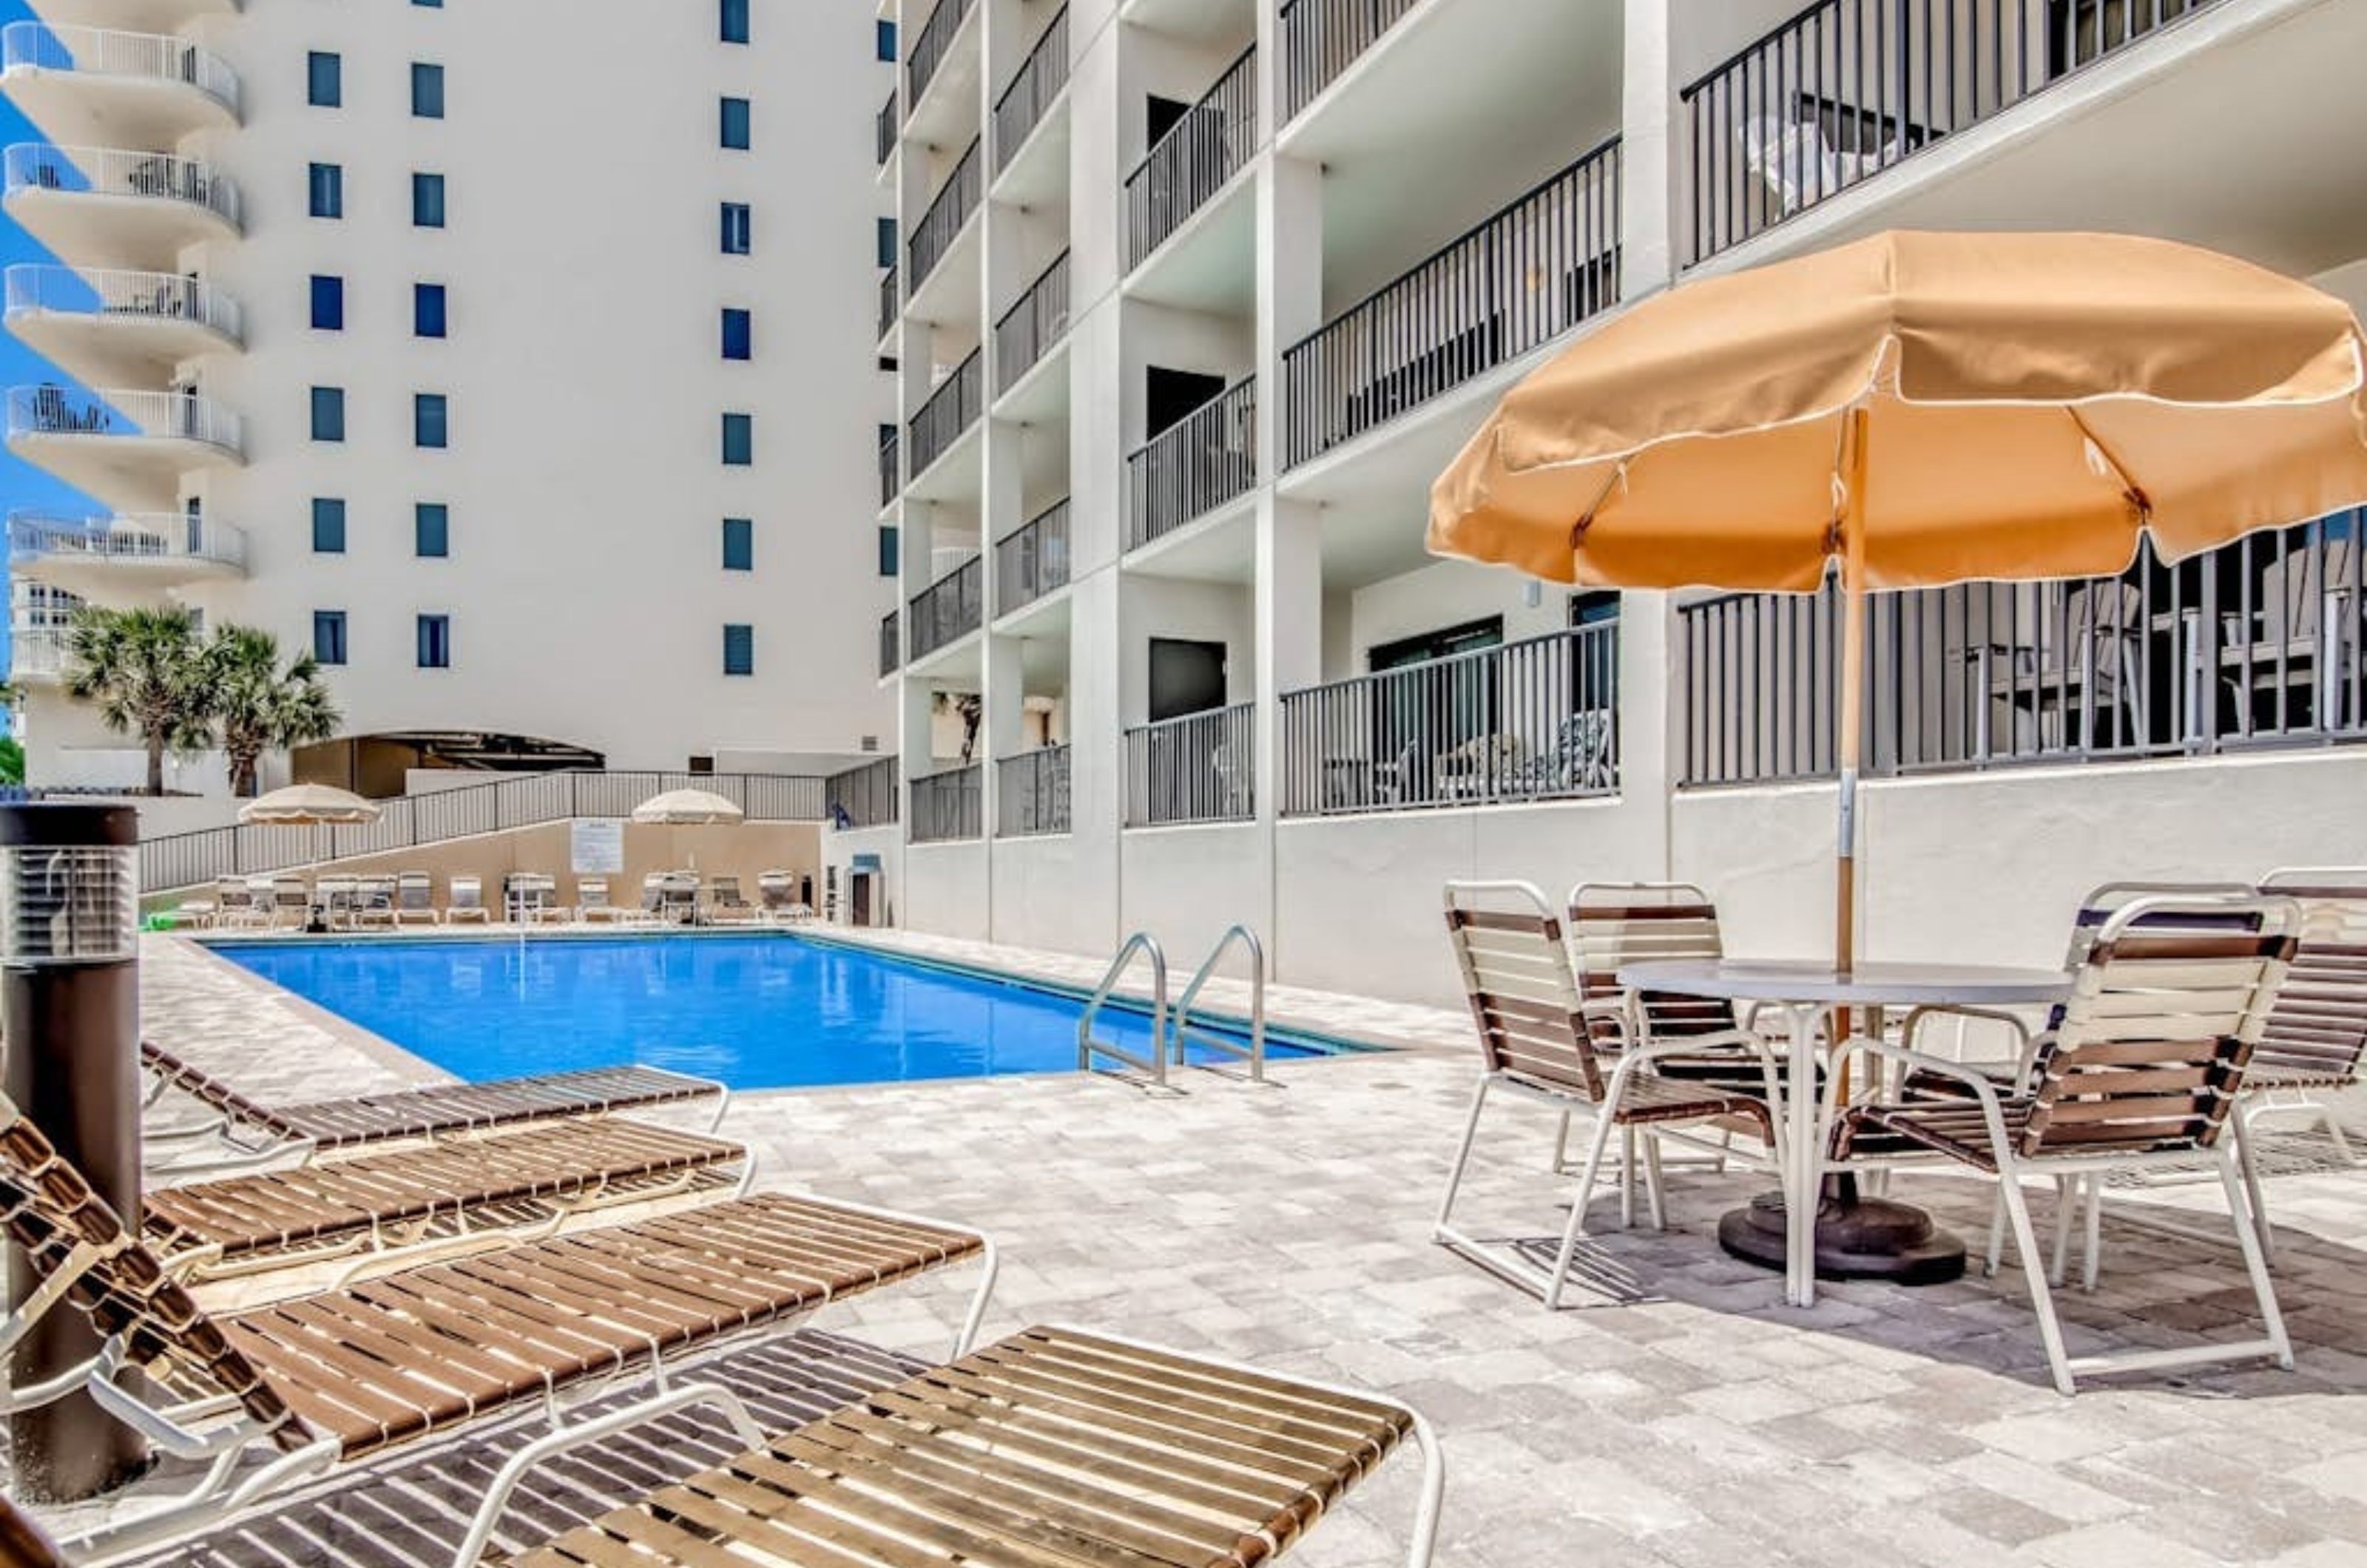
(1185, 677)
(859, 892)
(1170, 396)
(1160, 115)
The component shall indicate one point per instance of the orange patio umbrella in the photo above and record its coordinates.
(1919, 409)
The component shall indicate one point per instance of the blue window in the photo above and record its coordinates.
(431, 420)
(739, 544)
(428, 310)
(735, 21)
(736, 226)
(324, 79)
(884, 41)
(885, 239)
(739, 333)
(328, 303)
(426, 91)
(738, 440)
(892, 551)
(437, 5)
(739, 650)
(329, 636)
(328, 526)
(328, 413)
(325, 190)
(431, 529)
(435, 642)
(735, 123)
(428, 202)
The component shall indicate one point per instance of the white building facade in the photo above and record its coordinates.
(1196, 297)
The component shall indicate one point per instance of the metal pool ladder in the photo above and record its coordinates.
(1255, 1052)
(1155, 1065)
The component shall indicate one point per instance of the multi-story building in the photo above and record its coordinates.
(499, 353)
(1197, 297)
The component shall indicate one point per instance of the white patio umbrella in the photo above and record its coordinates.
(689, 809)
(308, 806)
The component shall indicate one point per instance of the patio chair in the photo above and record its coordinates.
(1054, 1446)
(467, 904)
(2082, 684)
(1797, 162)
(312, 1386)
(22, 1544)
(775, 891)
(335, 896)
(414, 900)
(592, 906)
(374, 898)
(2303, 637)
(291, 902)
(725, 906)
(1538, 1038)
(529, 897)
(234, 905)
(2141, 1071)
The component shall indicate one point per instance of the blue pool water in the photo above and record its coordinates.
(758, 1011)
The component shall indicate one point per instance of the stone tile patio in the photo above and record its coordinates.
(1676, 1414)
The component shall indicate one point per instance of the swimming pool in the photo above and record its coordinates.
(763, 1010)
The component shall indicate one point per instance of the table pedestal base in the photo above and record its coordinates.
(1857, 1238)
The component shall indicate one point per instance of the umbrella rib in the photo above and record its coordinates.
(2129, 486)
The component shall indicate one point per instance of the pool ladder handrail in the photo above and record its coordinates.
(1253, 1052)
(1155, 1065)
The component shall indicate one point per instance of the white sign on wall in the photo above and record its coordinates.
(596, 844)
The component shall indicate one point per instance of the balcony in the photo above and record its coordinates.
(114, 328)
(890, 301)
(108, 204)
(932, 47)
(1199, 768)
(1521, 278)
(135, 444)
(108, 557)
(1205, 461)
(37, 655)
(1528, 721)
(1320, 39)
(946, 806)
(1198, 157)
(97, 86)
(886, 129)
(1031, 794)
(1030, 329)
(891, 477)
(949, 609)
(1032, 560)
(139, 16)
(892, 644)
(862, 797)
(949, 214)
(951, 410)
(1029, 98)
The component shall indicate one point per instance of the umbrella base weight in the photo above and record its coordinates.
(1857, 1238)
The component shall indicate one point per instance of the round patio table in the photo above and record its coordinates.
(1807, 990)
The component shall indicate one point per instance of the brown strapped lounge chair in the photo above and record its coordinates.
(254, 1131)
(329, 1379)
(1053, 1448)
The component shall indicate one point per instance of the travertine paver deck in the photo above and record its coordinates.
(1678, 1416)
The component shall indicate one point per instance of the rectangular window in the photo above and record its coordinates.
(883, 45)
(735, 124)
(736, 227)
(739, 650)
(738, 440)
(431, 420)
(428, 202)
(735, 21)
(739, 544)
(436, 5)
(328, 526)
(739, 333)
(431, 529)
(324, 79)
(886, 241)
(892, 551)
(435, 642)
(329, 636)
(325, 190)
(328, 303)
(328, 413)
(428, 310)
(426, 91)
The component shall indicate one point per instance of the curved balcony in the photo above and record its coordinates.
(111, 557)
(111, 205)
(131, 447)
(37, 655)
(95, 85)
(138, 16)
(119, 328)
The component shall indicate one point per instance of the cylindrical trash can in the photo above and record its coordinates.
(70, 1031)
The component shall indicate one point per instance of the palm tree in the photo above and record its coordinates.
(148, 673)
(263, 706)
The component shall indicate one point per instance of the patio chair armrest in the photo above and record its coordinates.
(1983, 1088)
(2026, 1040)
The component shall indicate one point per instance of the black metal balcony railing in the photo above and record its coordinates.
(891, 300)
(1205, 459)
(2253, 646)
(1033, 560)
(886, 132)
(1199, 768)
(1847, 88)
(930, 49)
(1320, 39)
(1032, 326)
(953, 408)
(891, 643)
(891, 477)
(950, 608)
(1524, 277)
(949, 212)
(864, 797)
(1194, 161)
(1022, 107)
(948, 805)
(1031, 794)
(1531, 720)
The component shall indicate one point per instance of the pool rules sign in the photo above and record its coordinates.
(596, 844)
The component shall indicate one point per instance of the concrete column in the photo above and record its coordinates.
(1651, 198)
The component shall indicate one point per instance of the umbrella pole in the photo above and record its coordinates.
(1852, 704)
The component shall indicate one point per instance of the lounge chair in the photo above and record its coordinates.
(725, 906)
(414, 900)
(291, 902)
(2141, 1070)
(776, 892)
(1054, 1446)
(1537, 1038)
(234, 906)
(374, 901)
(592, 902)
(467, 905)
(344, 1375)
(529, 897)
(256, 1130)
